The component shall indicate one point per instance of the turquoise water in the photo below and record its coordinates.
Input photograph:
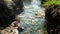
(31, 23)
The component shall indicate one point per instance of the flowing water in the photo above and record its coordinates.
(31, 23)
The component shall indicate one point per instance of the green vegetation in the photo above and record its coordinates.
(52, 2)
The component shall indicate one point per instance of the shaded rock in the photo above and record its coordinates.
(6, 16)
(15, 5)
(42, 1)
(18, 7)
(40, 13)
(52, 16)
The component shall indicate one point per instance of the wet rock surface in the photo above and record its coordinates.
(14, 28)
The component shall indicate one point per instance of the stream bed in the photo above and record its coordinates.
(30, 21)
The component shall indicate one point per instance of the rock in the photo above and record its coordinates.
(42, 1)
(12, 29)
(40, 13)
(6, 16)
(52, 16)
(18, 7)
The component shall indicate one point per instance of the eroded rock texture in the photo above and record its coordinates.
(52, 16)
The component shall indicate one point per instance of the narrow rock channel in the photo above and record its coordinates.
(32, 18)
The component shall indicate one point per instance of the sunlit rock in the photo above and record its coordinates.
(40, 13)
(14, 28)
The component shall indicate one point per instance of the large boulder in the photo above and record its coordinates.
(52, 16)
(6, 16)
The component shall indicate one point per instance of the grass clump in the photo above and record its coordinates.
(52, 2)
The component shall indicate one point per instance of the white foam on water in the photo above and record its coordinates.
(30, 26)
